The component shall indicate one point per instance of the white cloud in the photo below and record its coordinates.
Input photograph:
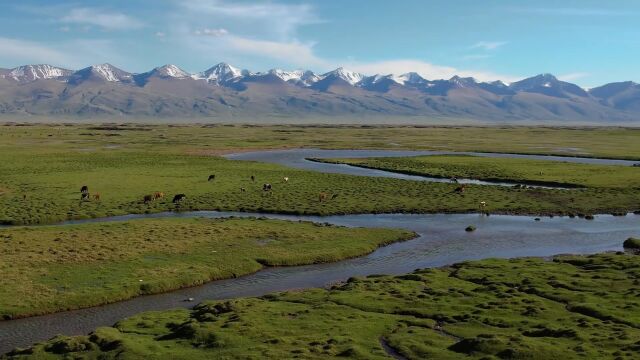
(488, 45)
(280, 20)
(573, 76)
(425, 69)
(160, 34)
(101, 18)
(212, 32)
(22, 51)
(72, 54)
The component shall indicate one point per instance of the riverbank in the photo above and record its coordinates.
(515, 171)
(56, 268)
(499, 308)
(442, 241)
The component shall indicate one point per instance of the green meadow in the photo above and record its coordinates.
(53, 268)
(571, 307)
(42, 169)
(581, 307)
(507, 169)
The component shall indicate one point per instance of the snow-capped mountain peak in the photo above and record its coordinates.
(295, 75)
(171, 70)
(220, 73)
(35, 72)
(410, 78)
(349, 76)
(463, 82)
(110, 73)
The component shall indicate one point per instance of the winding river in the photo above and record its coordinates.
(441, 240)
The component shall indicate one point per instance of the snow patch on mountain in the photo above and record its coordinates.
(35, 72)
(220, 74)
(349, 76)
(173, 71)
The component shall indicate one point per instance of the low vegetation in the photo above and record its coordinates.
(45, 188)
(507, 169)
(632, 243)
(53, 268)
(574, 307)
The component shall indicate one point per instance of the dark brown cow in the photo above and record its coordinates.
(460, 189)
(178, 198)
(212, 177)
(147, 199)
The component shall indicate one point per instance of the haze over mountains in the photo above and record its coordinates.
(224, 92)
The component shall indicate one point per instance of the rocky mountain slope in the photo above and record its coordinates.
(224, 92)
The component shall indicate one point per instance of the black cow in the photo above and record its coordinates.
(253, 178)
(84, 189)
(212, 177)
(178, 198)
(266, 187)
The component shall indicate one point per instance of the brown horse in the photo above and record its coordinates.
(158, 195)
(322, 196)
(96, 196)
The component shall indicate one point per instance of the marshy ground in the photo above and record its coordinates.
(571, 307)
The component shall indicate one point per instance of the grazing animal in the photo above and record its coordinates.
(178, 198)
(266, 187)
(24, 196)
(212, 177)
(460, 189)
(84, 196)
(243, 189)
(147, 199)
(322, 196)
(158, 195)
(84, 189)
(286, 179)
(96, 196)
(454, 180)
(253, 178)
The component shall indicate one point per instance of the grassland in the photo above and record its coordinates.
(52, 268)
(43, 167)
(507, 169)
(612, 142)
(574, 307)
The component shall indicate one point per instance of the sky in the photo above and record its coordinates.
(586, 42)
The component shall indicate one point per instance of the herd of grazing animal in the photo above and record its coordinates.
(178, 198)
(266, 189)
(84, 194)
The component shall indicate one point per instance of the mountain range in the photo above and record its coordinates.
(224, 92)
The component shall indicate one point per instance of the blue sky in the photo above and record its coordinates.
(586, 42)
